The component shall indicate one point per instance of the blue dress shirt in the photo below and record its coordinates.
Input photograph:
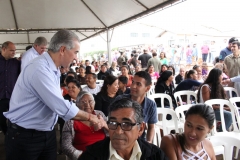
(36, 100)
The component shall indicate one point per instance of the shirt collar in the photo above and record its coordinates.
(34, 51)
(52, 64)
(136, 152)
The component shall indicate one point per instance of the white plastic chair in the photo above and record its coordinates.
(157, 136)
(154, 81)
(196, 91)
(234, 112)
(151, 91)
(84, 85)
(235, 119)
(233, 101)
(177, 96)
(228, 142)
(229, 91)
(168, 125)
(162, 96)
(99, 82)
(180, 111)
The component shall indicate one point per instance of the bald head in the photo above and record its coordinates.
(8, 50)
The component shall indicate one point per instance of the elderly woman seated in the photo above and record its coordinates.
(77, 135)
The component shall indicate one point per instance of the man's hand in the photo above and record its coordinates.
(94, 119)
(101, 123)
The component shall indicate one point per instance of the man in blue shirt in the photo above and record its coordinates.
(141, 84)
(37, 102)
(226, 51)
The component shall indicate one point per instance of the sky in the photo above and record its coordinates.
(217, 18)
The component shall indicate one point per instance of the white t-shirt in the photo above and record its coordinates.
(94, 90)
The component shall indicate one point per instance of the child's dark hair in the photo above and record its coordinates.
(123, 79)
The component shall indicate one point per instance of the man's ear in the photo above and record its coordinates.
(141, 129)
(148, 88)
(62, 49)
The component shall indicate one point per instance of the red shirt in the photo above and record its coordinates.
(130, 77)
(85, 135)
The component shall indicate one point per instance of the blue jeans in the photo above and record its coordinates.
(227, 118)
(204, 57)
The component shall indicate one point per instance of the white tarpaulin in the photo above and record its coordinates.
(31, 19)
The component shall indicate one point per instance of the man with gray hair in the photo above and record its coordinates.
(39, 47)
(37, 102)
(126, 125)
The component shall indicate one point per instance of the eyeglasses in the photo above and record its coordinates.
(126, 126)
(91, 102)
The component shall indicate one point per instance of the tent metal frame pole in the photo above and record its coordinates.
(162, 5)
(93, 13)
(142, 4)
(28, 37)
(48, 29)
(109, 47)
(82, 33)
(14, 15)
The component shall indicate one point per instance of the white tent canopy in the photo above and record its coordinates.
(22, 21)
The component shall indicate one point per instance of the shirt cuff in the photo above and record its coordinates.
(72, 112)
(234, 79)
(76, 154)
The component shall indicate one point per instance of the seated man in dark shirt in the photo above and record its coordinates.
(126, 125)
(103, 73)
(180, 77)
(122, 82)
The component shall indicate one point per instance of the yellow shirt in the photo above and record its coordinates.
(136, 153)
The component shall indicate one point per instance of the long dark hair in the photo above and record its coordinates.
(189, 73)
(203, 110)
(217, 90)
(128, 68)
(108, 80)
(88, 70)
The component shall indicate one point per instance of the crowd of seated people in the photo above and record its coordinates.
(117, 94)
(118, 81)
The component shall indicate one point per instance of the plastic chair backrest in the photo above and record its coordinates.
(221, 103)
(229, 90)
(154, 82)
(151, 91)
(177, 96)
(99, 81)
(165, 112)
(84, 85)
(233, 101)
(180, 111)
(162, 96)
(228, 142)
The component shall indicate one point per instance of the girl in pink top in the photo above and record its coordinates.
(154, 75)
